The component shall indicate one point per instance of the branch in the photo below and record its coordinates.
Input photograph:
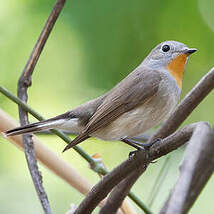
(122, 189)
(136, 163)
(125, 205)
(191, 100)
(197, 167)
(184, 109)
(114, 201)
(23, 84)
(96, 166)
(210, 74)
(35, 114)
(50, 160)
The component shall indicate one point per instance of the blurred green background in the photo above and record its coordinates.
(93, 46)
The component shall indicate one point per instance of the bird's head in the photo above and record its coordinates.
(170, 55)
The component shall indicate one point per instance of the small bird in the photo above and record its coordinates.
(140, 101)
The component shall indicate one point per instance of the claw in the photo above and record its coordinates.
(132, 154)
(154, 161)
(157, 140)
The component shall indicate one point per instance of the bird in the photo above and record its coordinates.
(143, 99)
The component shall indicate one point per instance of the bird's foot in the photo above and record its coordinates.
(133, 153)
(148, 145)
(139, 146)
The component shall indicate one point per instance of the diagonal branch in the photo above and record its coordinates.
(210, 86)
(96, 167)
(117, 196)
(184, 109)
(23, 84)
(53, 162)
(192, 99)
(196, 169)
(136, 163)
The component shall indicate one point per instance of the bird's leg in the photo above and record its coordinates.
(138, 145)
(130, 143)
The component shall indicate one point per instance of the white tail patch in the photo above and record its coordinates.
(52, 124)
(71, 125)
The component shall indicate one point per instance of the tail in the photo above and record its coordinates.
(80, 138)
(39, 126)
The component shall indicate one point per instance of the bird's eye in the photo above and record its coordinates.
(165, 48)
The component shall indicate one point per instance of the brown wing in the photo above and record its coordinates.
(134, 90)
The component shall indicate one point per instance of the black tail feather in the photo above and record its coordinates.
(34, 127)
(43, 125)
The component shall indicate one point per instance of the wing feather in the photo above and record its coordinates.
(141, 86)
(137, 88)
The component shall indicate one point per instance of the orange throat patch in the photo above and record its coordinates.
(176, 68)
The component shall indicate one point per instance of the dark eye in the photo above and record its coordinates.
(165, 48)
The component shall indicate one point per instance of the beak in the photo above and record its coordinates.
(189, 51)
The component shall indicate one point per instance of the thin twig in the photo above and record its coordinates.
(159, 180)
(204, 91)
(97, 167)
(196, 169)
(49, 159)
(23, 84)
(139, 203)
(60, 134)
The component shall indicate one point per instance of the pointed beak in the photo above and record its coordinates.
(189, 51)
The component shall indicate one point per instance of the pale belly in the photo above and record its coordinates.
(140, 119)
